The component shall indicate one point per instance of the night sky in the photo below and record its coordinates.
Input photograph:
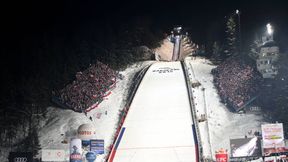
(198, 16)
(203, 19)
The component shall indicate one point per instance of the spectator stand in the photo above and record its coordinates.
(237, 83)
(88, 90)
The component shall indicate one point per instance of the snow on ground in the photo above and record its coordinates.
(215, 132)
(221, 124)
(158, 125)
(63, 124)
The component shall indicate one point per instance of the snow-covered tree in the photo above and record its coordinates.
(230, 37)
(31, 142)
(255, 48)
(216, 52)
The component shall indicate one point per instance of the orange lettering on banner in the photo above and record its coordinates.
(85, 132)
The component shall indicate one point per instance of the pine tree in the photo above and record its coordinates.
(31, 142)
(254, 48)
(230, 37)
(216, 52)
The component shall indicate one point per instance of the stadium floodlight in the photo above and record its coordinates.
(269, 29)
(237, 12)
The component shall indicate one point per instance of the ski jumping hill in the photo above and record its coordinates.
(158, 126)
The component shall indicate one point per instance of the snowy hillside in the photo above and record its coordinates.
(61, 125)
(221, 124)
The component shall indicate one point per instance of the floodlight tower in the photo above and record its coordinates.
(239, 31)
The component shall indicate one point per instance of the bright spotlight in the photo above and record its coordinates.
(237, 11)
(269, 29)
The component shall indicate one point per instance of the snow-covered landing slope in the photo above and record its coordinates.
(158, 127)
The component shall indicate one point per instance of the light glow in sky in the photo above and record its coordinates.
(269, 29)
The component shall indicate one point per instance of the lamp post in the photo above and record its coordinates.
(239, 31)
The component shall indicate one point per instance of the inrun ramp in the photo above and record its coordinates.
(158, 126)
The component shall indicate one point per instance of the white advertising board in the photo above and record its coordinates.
(53, 155)
(273, 136)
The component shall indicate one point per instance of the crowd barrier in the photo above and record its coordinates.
(195, 128)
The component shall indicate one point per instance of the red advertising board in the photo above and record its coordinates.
(221, 156)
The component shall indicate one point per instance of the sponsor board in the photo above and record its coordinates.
(76, 150)
(91, 156)
(97, 146)
(20, 157)
(273, 135)
(85, 143)
(221, 156)
(245, 147)
(53, 155)
(275, 151)
(273, 138)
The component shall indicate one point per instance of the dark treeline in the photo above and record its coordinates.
(271, 94)
(41, 58)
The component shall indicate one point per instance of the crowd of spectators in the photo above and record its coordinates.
(89, 87)
(237, 82)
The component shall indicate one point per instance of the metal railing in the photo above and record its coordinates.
(193, 111)
(136, 82)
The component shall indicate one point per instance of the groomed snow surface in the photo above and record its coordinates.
(221, 125)
(158, 127)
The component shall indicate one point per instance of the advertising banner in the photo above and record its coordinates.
(273, 135)
(76, 150)
(85, 143)
(97, 146)
(245, 147)
(91, 156)
(53, 155)
(221, 155)
(275, 151)
(273, 138)
(20, 157)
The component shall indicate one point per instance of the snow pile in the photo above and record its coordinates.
(217, 124)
